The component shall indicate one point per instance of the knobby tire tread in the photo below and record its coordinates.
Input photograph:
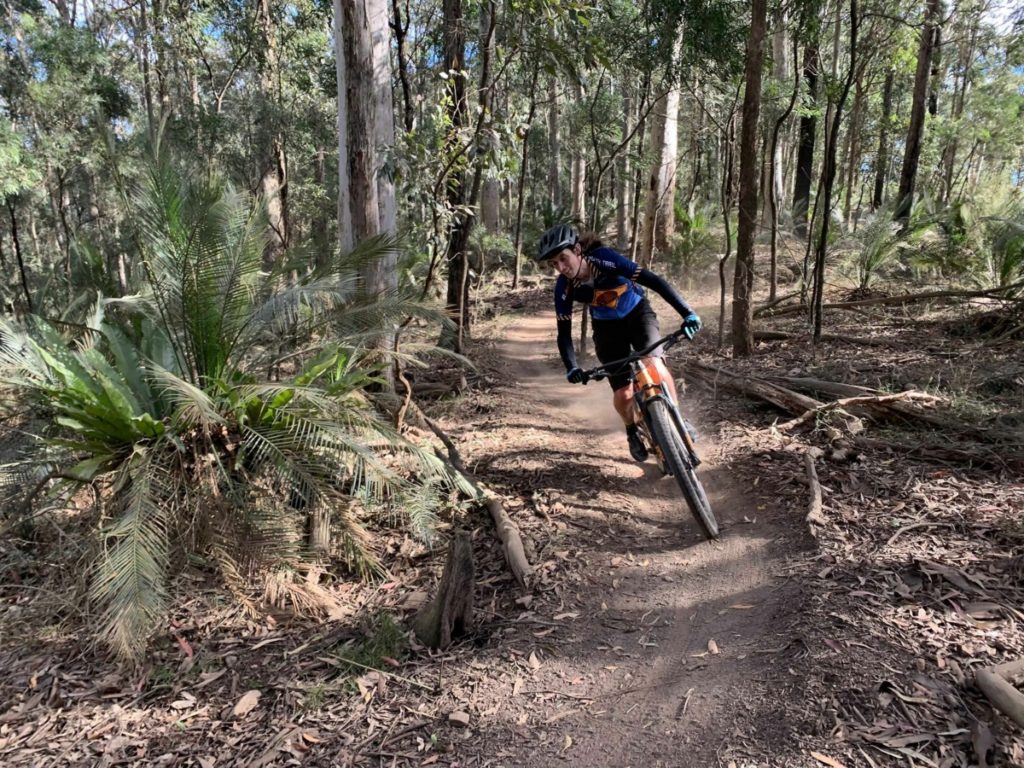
(667, 435)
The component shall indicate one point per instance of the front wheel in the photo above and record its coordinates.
(677, 458)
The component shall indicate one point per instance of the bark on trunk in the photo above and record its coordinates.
(554, 147)
(622, 181)
(829, 175)
(805, 154)
(578, 174)
(882, 158)
(915, 132)
(521, 196)
(743, 277)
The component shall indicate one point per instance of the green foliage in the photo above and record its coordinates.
(881, 243)
(695, 245)
(162, 401)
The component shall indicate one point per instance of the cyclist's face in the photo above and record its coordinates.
(567, 262)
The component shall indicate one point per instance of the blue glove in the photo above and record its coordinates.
(576, 376)
(691, 324)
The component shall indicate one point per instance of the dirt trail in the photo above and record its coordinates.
(673, 649)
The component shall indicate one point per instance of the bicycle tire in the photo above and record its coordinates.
(665, 432)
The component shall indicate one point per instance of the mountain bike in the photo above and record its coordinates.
(662, 427)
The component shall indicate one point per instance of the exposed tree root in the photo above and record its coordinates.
(997, 684)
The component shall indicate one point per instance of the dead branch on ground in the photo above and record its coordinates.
(815, 514)
(862, 400)
(909, 298)
(996, 683)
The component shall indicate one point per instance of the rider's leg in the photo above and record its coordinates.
(622, 398)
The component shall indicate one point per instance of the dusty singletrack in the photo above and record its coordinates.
(673, 647)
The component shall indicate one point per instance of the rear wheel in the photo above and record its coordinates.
(677, 457)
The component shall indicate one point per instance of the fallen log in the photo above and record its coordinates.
(903, 409)
(909, 298)
(815, 515)
(859, 340)
(506, 529)
(861, 400)
(781, 397)
(767, 306)
(996, 683)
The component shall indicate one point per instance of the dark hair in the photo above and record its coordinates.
(590, 241)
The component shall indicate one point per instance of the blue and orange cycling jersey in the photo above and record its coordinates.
(612, 292)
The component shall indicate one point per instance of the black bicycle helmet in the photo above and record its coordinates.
(556, 239)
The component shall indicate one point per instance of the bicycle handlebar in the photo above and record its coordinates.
(602, 372)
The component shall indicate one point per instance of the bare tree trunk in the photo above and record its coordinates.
(274, 177)
(743, 278)
(882, 158)
(776, 191)
(12, 211)
(912, 151)
(521, 197)
(554, 147)
(829, 175)
(805, 155)
(622, 181)
(578, 173)
(490, 195)
(728, 139)
(961, 84)
(853, 156)
(408, 110)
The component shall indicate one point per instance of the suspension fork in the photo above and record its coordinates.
(648, 386)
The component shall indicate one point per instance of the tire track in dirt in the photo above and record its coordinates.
(676, 638)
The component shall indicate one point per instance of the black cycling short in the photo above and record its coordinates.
(616, 339)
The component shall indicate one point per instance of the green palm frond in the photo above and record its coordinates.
(191, 406)
(161, 397)
(129, 581)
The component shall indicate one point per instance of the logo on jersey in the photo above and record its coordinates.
(609, 297)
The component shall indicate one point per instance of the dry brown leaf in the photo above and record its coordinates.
(567, 742)
(247, 703)
(826, 760)
(458, 717)
(712, 647)
(533, 661)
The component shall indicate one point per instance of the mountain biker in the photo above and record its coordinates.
(592, 273)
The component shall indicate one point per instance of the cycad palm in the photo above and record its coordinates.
(164, 402)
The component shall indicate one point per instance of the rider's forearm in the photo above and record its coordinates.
(660, 286)
(565, 348)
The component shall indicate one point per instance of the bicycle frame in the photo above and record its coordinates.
(648, 385)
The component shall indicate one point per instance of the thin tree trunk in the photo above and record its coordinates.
(912, 151)
(408, 110)
(853, 156)
(522, 175)
(622, 178)
(11, 209)
(775, 190)
(727, 184)
(554, 147)
(805, 155)
(829, 179)
(743, 277)
(578, 174)
(882, 158)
